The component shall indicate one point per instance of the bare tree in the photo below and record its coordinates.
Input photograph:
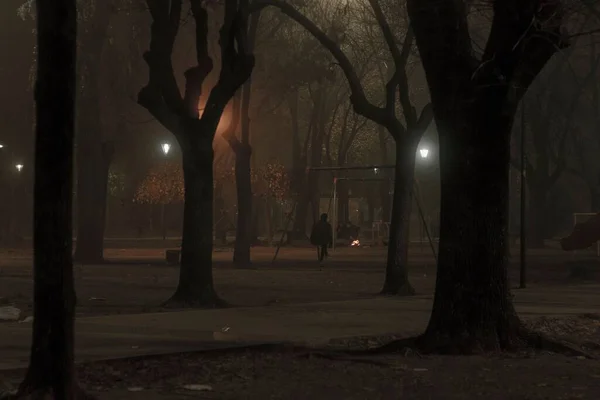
(243, 151)
(94, 151)
(585, 144)
(474, 102)
(406, 136)
(549, 112)
(194, 132)
(51, 365)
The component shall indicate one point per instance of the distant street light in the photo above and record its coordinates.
(166, 147)
(424, 152)
(1, 146)
(19, 167)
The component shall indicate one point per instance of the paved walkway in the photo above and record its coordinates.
(142, 334)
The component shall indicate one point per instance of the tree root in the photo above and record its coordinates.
(524, 340)
(541, 342)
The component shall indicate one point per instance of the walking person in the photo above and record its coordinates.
(322, 237)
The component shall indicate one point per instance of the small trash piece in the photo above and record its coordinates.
(198, 388)
(225, 329)
(28, 319)
(97, 299)
(9, 313)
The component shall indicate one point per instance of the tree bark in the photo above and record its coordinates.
(472, 308)
(243, 182)
(93, 163)
(195, 287)
(396, 272)
(51, 365)
(243, 178)
(93, 153)
(595, 199)
(343, 202)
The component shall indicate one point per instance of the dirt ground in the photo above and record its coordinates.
(302, 375)
(137, 280)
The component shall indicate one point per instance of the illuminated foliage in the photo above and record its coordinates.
(272, 180)
(162, 185)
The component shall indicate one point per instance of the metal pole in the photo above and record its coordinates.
(523, 233)
(335, 216)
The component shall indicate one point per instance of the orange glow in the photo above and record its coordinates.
(223, 122)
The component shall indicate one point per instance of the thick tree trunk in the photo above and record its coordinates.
(93, 164)
(196, 286)
(243, 182)
(51, 365)
(93, 153)
(472, 308)
(538, 200)
(396, 273)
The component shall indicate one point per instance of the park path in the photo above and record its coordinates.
(119, 336)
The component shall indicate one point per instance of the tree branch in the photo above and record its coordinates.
(195, 76)
(358, 98)
(236, 63)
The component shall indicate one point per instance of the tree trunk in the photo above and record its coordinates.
(299, 227)
(270, 222)
(93, 153)
(243, 182)
(343, 202)
(595, 199)
(93, 164)
(538, 200)
(51, 365)
(196, 286)
(396, 273)
(386, 206)
(472, 309)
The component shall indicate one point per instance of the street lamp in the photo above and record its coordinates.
(166, 147)
(424, 152)
(1, 146)
(19, 167)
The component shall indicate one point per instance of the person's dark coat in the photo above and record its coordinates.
(322, 234)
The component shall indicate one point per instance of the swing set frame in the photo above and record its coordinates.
(335, 200)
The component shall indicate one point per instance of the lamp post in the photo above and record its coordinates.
(15, 217)
(165, 147)
(424, 154)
